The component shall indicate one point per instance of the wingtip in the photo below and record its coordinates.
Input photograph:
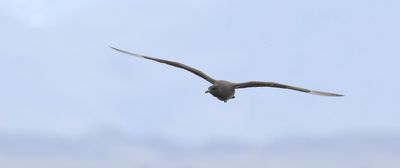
(325, 93)
(113, 48)
(126, 52)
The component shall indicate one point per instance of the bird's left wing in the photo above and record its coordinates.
(283, 86)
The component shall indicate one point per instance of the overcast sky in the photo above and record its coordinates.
(59, 79)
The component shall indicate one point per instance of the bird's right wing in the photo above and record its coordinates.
(283, 86)
(172, 63)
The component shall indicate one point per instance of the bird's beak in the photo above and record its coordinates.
(207, 91)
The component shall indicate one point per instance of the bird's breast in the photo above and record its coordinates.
(225, 93)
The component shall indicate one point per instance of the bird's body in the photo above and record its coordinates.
(225, 90)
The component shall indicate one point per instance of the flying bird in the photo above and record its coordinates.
(222, 89)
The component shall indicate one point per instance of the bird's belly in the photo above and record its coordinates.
(226, 95)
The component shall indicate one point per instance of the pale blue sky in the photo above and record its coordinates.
(60, 80)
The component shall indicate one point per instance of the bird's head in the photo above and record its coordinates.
(213, 89)
(222, 90)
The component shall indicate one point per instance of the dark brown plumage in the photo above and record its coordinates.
(225, 90)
